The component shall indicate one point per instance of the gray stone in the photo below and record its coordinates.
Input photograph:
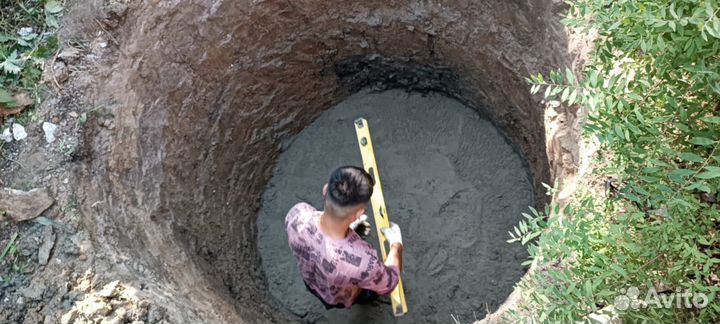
(47, 245)
(33, 292)
(156, 314)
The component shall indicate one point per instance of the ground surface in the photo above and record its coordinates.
(51, 272)
(133, 66)
(451, 181)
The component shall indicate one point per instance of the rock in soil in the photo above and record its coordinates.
(24, 205)
(47, 245)
(49, 129)
(110, 290)
(6, 135)
(18, 132)
(33, 293)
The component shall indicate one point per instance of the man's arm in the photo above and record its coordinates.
(381, 277)
(394, 257)
(385, 276)
(394, 238)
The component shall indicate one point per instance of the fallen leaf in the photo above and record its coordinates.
(23, 99)
(4, 112)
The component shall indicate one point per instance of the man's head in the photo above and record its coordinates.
(348, 192)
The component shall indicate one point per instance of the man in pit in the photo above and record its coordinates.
(337, 265)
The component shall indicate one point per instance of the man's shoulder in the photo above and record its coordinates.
(304, 205)
(300, 210)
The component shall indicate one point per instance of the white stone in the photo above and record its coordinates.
(18, 132)
(50, 129)
(6, 135)
(25, 31)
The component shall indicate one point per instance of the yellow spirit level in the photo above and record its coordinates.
(397, 297)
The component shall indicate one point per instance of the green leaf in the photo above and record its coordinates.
(573, 97)
(679, 174)
(530, 237)
(709, 8)
(702, 141)
(691, 157)
(593, 78)
(632, 197)
(534, 89)
(677, 201)
(9, 246)
(6, 98)
(713, 119)
(673, 13)
(658, 162)
(619, 131)
(702, 186)
(53, 7)
(712, 29)
(660, 42)
(11, 65)
(707, 175)
(51, 21)
(570, 77)
(618, 269)
(710, 173)
(6, 37)
(588, 288)
(638, 115)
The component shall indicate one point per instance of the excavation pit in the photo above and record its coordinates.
(205, 97)
(451, 180)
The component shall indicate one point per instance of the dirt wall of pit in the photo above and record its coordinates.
(205, 93)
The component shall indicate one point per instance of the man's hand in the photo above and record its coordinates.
(392, 234)
(394, 238)
(361, 226)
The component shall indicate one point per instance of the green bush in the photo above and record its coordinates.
(27, 40)
(651, 88)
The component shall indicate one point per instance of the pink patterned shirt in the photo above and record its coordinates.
(335, 269)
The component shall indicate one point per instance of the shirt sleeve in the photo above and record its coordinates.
(380, 278)
(292, 217)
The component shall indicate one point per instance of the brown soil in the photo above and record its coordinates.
(189, 104)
